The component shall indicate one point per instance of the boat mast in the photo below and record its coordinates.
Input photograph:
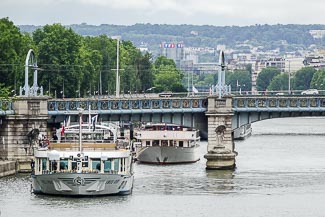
(80, 141)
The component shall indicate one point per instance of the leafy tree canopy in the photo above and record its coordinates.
(302, 78)
(265, 77)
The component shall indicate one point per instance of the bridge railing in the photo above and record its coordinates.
(278, 103)
(128, 105)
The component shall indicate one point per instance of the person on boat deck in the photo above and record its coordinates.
(55, 137)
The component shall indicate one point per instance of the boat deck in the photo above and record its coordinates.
(72, 145)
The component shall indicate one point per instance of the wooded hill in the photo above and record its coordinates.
(285, 37)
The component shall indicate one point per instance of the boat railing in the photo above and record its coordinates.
(85, 146)
(83, 171)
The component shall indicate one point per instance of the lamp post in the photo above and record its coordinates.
(117, 88)
(289, 80)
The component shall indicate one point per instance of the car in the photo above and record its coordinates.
(310, 92)
(166, 94)
(279, 94)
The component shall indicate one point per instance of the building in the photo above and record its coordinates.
(172, 50)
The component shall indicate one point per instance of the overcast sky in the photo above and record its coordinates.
(198, 12)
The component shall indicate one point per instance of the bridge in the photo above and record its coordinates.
(246, 108)
(218, 115)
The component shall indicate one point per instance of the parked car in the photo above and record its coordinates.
(310, 92)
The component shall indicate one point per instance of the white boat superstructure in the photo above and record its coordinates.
(84, 162)
(162, 143)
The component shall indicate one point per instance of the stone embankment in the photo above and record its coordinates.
(7, 168)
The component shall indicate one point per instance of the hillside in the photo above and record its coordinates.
(287, 37)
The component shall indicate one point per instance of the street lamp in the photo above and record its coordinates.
(289, 77)
(117, 65)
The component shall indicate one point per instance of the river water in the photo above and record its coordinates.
(280, 172)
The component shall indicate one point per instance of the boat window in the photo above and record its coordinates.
(155, 143)
(164, 142)
(95, 165)
(74, 165)
(64, 164)
(122, 165)
(107, 165)
(85, 164)
(116, 164)
(53, 165)
(44, 163)
(181, 144)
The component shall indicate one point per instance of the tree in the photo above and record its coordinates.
(302, 78)
(239, 80)
(162, 60)
(13, 49)
(318, 80)
(265, 77)
(168, 78)
(279, 82)
(59, 55)
(4, 91)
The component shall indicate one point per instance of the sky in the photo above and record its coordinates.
(196, 12)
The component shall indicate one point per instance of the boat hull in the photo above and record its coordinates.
(168, 155)
(82, 184)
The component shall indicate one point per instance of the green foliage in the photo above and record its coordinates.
(318, 80)
(168, 78)
(13, 49)
(239, 80)
(4, 91)
(265, 77)
(302, 78)
(280, 82)
(162, 60)
(59, 54)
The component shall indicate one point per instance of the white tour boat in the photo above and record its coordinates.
(86, 161)
(162, 143)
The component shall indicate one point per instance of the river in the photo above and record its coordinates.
(280, 172)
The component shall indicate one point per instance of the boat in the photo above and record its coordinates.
(164, 143)
(243, 132)
(84, 161)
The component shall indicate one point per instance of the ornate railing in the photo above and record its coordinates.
(278, 103)
(176, 104)
(128, 106)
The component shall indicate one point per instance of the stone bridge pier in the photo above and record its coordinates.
(18, 131)
(220, 153)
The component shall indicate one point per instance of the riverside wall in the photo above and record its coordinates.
(7, 168)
